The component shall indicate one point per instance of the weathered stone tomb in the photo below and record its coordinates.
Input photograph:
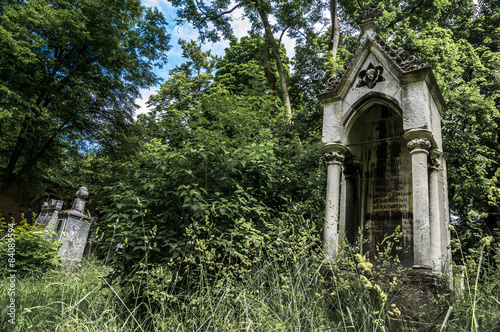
(47, 219)
(382, 135)
(70, 227)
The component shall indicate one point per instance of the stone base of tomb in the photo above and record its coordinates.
(423, 297)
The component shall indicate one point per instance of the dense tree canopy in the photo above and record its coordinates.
(293, 17)
(70, 72)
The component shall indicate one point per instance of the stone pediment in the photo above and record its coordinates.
(388, 64)
(378, 70)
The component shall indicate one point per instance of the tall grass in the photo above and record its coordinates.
(477, 304)
(65, 301)
(304, 296)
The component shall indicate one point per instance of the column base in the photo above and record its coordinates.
(424, 295)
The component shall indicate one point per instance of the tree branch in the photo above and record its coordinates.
(300, 32)
(212, 18)
(281, 36)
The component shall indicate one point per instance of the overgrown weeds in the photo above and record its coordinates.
(285, 292)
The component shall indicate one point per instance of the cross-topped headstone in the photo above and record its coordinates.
(71, 227)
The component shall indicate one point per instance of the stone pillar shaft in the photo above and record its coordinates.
(436, 254)
(331, 229)
(420, 192)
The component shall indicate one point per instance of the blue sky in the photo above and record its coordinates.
(187, 32)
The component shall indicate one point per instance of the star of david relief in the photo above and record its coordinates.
(370, 76)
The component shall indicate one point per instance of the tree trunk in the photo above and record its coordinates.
(333, 45)
(9, 176)
(270, 76)
(276, 54)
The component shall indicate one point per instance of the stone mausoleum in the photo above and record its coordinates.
(382, 135)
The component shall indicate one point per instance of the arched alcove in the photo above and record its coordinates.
(377, 179)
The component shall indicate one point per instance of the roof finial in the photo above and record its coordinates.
(368, 14)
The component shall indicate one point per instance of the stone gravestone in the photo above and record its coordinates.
(382, 135)
(71, 227)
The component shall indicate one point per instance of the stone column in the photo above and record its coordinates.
(436, 254)
(444, 215)
(420, 192)
(350, 213)
(334, 158)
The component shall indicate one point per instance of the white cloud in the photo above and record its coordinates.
(145, 94)
(241, 25)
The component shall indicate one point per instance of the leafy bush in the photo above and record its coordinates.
(34, 254)
(223, 190)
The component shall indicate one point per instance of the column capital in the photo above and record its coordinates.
(334, 157)
(419, 144)
(335, 153)
(416, 137)
(336, 146)
(436, 160)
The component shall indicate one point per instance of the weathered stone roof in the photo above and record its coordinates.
(393, 52)
(365, 19)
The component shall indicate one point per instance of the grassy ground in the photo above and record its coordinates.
(268, 299)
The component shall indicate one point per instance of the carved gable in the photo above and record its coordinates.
(380, 70)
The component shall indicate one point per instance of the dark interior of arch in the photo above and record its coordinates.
(378, 183)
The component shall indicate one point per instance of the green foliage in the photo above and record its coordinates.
(242, 69)
(213, 19)
(70, 72)
(34, 254)
(225, 193)
(218, 182)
